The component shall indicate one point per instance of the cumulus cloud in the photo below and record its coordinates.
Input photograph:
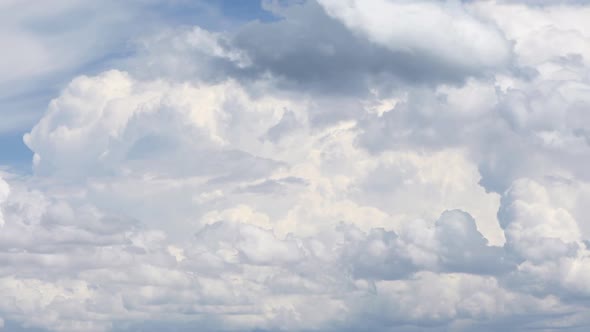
(69, 267)
(444, 31)
(375, 165)
(129, 120)
(338, 55)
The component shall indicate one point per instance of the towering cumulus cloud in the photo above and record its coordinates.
(378, 165)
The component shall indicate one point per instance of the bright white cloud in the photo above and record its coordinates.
(442, 30)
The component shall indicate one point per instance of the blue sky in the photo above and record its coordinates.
(294, 165)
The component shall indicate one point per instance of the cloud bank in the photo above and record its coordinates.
(349, 166)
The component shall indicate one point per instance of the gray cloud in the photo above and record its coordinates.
(307, 49)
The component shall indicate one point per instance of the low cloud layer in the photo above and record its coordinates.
(348, 166)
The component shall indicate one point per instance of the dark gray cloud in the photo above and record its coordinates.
(311, 51)
(306, 49)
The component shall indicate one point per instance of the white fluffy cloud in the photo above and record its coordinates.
(68, 267)
(210, 181)
(442, 30)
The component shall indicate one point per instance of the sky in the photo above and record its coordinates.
(294, 165)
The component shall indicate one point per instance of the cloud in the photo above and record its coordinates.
(514, 126)
(36, 41)
(46, 45)
(331, 170)
(4, 192)
(190, 119)
(96, 270)
(444, 31)
(336, 56)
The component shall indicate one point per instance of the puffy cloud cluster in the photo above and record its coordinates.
(68, 267)
(530, 123)
(334, 170)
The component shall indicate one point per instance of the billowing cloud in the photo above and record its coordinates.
(350, 166)
(444, 31)
(69, 267)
